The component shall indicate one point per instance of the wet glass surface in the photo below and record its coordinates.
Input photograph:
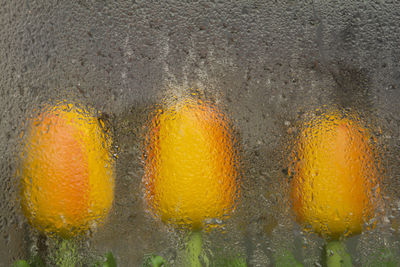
(267, 77)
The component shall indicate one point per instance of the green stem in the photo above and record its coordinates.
(193, 249)
(66, 254)
(336, 255)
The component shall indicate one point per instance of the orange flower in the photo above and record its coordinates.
(67, 178)
(335, 186)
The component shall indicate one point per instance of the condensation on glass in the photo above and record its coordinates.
(268, 66)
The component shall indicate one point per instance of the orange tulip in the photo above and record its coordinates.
(67, 175)
(335, 188)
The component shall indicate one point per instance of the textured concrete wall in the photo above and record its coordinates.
(267, 61)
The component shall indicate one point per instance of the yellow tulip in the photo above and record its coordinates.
(191, 165)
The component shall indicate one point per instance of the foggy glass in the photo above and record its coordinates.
(268, 66)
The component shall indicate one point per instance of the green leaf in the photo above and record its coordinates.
(109, 262)
(154, 261)
(384, 258)
(286, 259)
(37, 262)
(21, 263)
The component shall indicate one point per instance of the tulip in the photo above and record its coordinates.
(334, 187)
(67, 173)
(191, 168)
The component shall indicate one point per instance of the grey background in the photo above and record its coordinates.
(268, 62)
